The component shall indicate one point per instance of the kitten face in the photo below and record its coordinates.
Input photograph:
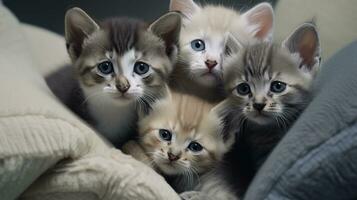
(271, 84)
(204, 35)
(202, 50)
(182, 135)
(122, 60)
(122, 77)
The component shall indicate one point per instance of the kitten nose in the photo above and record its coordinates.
(173, 157)
(122, 84)
(259, 106)
(211, 64)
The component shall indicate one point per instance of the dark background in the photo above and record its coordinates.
(50, 13)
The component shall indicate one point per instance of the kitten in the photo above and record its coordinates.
(269, 87)
(203, 41)
(119, 66)
(181, 138)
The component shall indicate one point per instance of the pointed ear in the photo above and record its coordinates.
(305, 42)
(220, 111)
(168, 28)
(186, 7)
(232, 44)
(146, 106)
(260, 21)
(78, 26)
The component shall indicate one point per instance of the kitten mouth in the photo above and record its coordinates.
(211, 75)
(168, 167)
(260, 117)
(125, 96)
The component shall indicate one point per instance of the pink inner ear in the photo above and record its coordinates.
(262, 17)
(307, 48)
(265, 27)
(176, 5)
(186, 7)
(264, 20)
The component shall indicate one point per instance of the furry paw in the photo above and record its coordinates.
(130, 147)
(135, 150)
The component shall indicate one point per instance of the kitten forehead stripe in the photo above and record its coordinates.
(123, 33)
(257, 61)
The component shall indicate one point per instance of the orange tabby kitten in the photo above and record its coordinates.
(182, 139)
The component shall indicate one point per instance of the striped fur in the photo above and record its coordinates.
(259, 66)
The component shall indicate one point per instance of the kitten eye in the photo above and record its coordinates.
(198, 45)
(105, 67)
(141, 68)
(277, 87)
(243, 89)
(195, 147)
(165, 134)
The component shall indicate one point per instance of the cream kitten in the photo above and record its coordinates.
(181, 138)
(203, 40)
(119, 66)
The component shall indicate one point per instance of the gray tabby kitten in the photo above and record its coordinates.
(269, 87)
(119, 67)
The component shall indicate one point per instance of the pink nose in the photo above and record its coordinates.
(211, 64)
(173, 157)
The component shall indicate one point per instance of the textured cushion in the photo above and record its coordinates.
(38, 135)
(317, 158)
(41, 41)
(336, 21)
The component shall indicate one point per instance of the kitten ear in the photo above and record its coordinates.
(78, 26)
(147, 107)
(168, 28)
(232, 44)
(186, 7)
(259, 21)
(304, 41)
(229, 136)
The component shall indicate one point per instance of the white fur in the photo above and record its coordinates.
(213, 24)
(113, 111)
(114, 121)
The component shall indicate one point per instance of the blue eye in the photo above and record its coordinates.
(198, 45)
(106, 67)
(165, 134)
(243, 89)
(141, 68)
(195, 147)
(277, 86)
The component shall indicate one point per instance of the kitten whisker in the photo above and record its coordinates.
(95, 94)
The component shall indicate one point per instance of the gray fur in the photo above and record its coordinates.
(259, 131)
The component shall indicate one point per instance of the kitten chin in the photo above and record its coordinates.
(212, 79)
(261, 118)
(169, 169)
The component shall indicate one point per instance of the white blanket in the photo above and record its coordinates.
(45, 151)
